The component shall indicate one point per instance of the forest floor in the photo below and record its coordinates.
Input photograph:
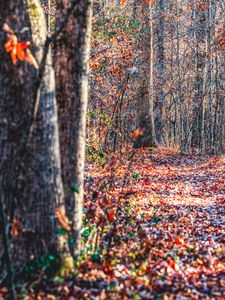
(165, 237)
(154, 229)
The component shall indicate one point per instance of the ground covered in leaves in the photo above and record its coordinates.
(168, 227)
(154, 228)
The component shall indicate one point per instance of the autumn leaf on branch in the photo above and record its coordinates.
(19, 51)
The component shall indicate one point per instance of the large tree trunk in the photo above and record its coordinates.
(30, 179)
(71, 65)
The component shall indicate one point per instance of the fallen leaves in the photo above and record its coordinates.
(171, 229)
(160, 240)
(111, 215)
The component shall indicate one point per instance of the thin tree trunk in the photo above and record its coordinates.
(160, 72)
(145, 103)
(71, 65)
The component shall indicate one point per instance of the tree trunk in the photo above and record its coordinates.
(200, 39)
(160, 71)
(30, 176)
(71, 64)
(145, 103)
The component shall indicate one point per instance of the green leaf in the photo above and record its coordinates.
(136, 176)
(101, 154)
(117, 238)
(90, 248)
(71, 240)
(74, 189)
(131, 234)
(112, 285)
(86, 233)
(51, 257)
(177, 259)
(155, 220)
(162, 277)
(61, 231)
(95, 257)
(191, 249)
(60, 279)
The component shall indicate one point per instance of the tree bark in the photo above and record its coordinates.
(71, 65)
(145, 103)
(160, 71)
(30, 176)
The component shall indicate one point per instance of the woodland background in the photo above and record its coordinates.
(112, 149)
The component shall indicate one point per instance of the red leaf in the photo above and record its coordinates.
(111, 215)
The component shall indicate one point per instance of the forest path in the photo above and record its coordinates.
(167, 238)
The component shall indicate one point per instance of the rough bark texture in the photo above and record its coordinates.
(30, 180)
(71, 65)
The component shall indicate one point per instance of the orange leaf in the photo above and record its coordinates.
(136, 134)
(62, 219)
(15, 228)
(19, 51)
(13, 57)
(95, 66)
(179, 241)
(11, 46)
(11, 42)
(123, 3)
(116, 69)
(30, 59)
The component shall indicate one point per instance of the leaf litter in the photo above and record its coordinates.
(154, 228)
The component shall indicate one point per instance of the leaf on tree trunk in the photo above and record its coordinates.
(18, 51)
(62, 219)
